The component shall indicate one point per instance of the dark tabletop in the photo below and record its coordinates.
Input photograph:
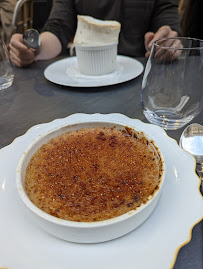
(32, 100)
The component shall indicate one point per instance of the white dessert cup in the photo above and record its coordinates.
(96, 60)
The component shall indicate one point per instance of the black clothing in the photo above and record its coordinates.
(136, 17)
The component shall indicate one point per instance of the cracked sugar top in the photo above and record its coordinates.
(93, 174)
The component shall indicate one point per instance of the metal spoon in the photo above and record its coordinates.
(31, 38)
(192, 141)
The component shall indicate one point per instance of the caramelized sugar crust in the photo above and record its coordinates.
(92, 174)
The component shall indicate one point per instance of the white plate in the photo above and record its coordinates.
(154, 244)
(65, 72)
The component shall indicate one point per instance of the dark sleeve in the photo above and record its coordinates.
(62, 21)
(166, 13)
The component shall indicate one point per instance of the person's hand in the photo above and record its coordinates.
(20, 54)
(163, 32)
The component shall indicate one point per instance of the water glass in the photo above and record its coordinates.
(172, 86)
(6, 67)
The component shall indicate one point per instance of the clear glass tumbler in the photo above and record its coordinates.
(6, 67)
(172, 86)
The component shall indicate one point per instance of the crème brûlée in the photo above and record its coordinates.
(93, 174)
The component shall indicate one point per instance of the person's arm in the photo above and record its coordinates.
(163, 32)
(22, 56)
(166, 13)
(165, 22)
(62, 21)
(57, 32)
(50, 47)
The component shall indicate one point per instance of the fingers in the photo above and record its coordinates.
(168, 50)
(163, 32)
(21, 62)
(147, 54)
(20, 54)
(147, 39)
(170, 47)
(162, 54)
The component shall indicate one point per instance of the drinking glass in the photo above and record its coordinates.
(172, 86)
(6, 67)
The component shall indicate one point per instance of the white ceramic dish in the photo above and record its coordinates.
(154, 244)
(96, 60)
(65, 72)
(83, 232)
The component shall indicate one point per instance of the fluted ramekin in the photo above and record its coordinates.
(96, 60)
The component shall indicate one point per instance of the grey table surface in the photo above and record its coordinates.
(33, 100)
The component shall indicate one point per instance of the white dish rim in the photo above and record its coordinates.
(85, 81)
(34, 131)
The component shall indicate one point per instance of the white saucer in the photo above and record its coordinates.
(65, 72)
(155, 244)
